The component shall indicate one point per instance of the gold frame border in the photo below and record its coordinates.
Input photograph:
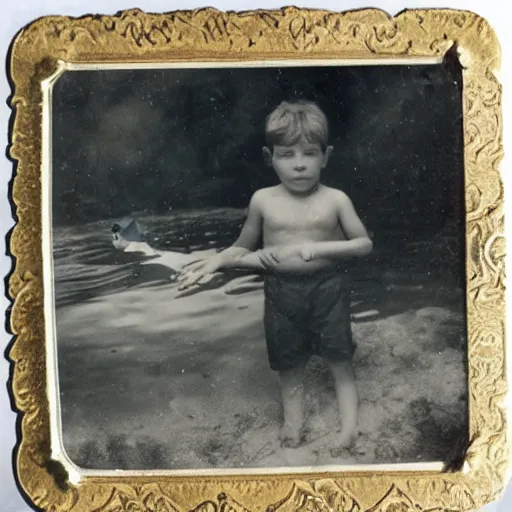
(289, 33)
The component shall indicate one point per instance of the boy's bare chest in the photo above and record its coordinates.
(291, 216)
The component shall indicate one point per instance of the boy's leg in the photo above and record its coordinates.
(334, 336)
(292, 394)
(288, 349)
(346, 394)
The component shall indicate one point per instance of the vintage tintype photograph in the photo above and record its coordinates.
(258, 262)
(259, 266)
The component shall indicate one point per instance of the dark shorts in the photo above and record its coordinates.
(307, 315)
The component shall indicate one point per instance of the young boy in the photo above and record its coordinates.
(308, 230)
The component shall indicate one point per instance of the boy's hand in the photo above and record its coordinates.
(275, 255)
(194, 272)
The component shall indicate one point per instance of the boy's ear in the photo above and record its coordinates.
(267, 156)
(327, 154)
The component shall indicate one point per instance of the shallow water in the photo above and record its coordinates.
(149, 381)
(87, 265)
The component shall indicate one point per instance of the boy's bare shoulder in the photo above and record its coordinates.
(337, 195)
(263, 194)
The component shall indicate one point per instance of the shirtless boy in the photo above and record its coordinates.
(307, 231)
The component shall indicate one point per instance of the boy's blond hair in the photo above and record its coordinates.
(292, 121)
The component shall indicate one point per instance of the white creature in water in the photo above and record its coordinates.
(127, 236)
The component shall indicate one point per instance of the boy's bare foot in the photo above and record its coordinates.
(290, 437)
(344, 442)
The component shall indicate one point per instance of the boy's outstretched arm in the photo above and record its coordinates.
(358, 242)
(250, 236)
(239, 255)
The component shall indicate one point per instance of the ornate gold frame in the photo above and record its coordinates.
(134, 36)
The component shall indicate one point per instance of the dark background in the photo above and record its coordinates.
(131, 140)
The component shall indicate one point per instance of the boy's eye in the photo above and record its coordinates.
(310, 153)
(285, 154)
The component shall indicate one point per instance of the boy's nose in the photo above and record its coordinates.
(299, 165)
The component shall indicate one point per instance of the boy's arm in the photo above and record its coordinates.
(239, 255)
(249, 260)
(358, 242)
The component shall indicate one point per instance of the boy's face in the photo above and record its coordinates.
(298, 166)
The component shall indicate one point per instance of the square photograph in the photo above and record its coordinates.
(259, 265)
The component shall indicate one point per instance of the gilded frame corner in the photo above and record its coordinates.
(288, 33)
